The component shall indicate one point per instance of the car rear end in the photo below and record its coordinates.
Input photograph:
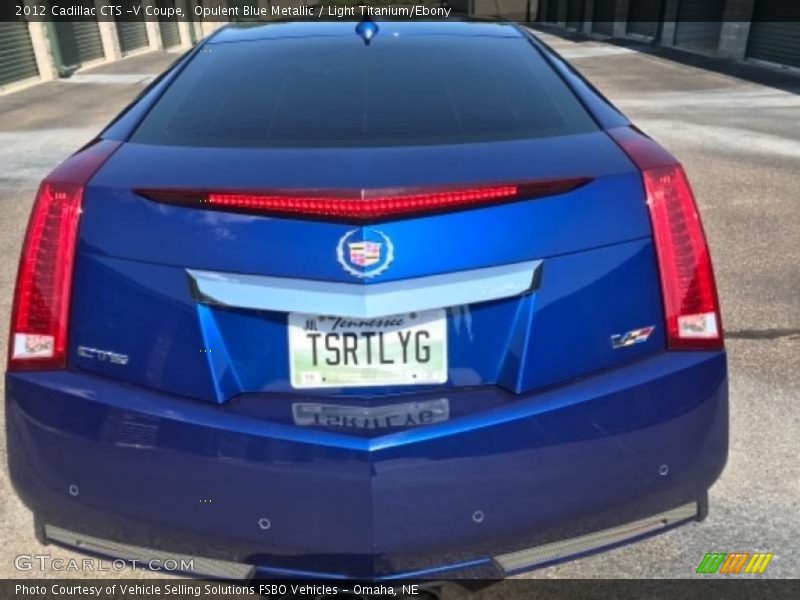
(427, 307)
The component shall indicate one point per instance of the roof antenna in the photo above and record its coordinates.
(367, 29)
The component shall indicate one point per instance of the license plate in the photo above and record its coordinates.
(406, 414)
(409, 349)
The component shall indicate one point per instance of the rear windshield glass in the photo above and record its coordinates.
(330, 92)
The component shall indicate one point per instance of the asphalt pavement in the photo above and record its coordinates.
(737, 131)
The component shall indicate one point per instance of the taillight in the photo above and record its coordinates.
(39, 317)
(691, 307)
(362, 206)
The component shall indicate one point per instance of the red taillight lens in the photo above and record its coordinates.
(687, 279)
(363, 206)
(691, 307)
(39, 317)
(39, 323)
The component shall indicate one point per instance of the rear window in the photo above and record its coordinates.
(336, 91)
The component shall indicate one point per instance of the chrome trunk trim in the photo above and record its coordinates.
(359, 300)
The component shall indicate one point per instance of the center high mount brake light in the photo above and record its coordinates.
(362, 206)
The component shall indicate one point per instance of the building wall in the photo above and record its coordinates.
(43, 41)
(730, 38)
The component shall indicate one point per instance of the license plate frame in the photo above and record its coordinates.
(311, 337)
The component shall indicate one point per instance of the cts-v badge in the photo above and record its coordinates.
(103, 355)
(635, 336)
(365, 252)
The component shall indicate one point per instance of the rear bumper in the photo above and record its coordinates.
(464, 497)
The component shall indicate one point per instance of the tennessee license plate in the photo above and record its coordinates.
(408, 349)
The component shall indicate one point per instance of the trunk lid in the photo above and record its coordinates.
(132, 295)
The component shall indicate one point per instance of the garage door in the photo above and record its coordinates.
(551, 11)
(131, 28)
(170, 35)
(78, 41)
(194, 27)
(605, 11)
(643, 17)
(17, 61)
(699, 24)
(575, 12)
(775, 33)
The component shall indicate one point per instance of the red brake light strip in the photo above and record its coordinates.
(363, 206)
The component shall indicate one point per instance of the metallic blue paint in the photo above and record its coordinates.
(608, 210)
(551, 432)
(338, 503)
(579, 305)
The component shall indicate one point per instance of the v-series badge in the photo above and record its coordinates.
(636, 336)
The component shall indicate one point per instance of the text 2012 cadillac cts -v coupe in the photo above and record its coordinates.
(417, 302)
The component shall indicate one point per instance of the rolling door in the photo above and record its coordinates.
(699, 24)
(551, 11)
(78, 41)
(775, 33)
(575, 12)
(643, 17)
(605, 11)
(131, 28)
(17, 61)
(193, 37)
(170, 35)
